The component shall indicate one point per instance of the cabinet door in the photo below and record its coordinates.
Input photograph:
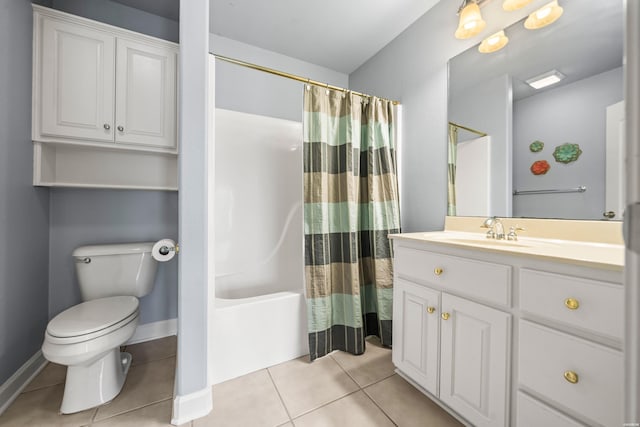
(76, 81)
(416, 333)
(474, 361)
(145, 94)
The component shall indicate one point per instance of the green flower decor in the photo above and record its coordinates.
(567, 153)
(536, 146)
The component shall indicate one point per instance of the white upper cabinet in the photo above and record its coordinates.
(145, 95)
(94, 83)
(78, 84)
(104, 105)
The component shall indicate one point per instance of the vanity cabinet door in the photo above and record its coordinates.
(416, 333)
(475, 345)
(76, 81)
(146, 94)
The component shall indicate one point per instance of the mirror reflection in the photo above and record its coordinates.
(552, 152)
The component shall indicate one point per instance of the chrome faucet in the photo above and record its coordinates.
(496, 229)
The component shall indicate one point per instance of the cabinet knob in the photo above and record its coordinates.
(431, 310)
(609, 214)
(571, 376)
(438, 271)
(121, 128)
(107, 126)
(571, 303)
(445, 316)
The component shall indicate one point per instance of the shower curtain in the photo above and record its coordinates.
(350, 206)
(452, 154)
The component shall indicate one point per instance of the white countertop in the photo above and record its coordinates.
(608, 256)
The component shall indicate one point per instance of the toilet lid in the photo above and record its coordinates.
(92, 316)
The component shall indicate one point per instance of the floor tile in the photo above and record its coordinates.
(152, 350)
(40, 408)
(306, 386)
(52, 374)
(372, 366)
(251, 400)
(156, 415)
(353, 410)
(145, 384)
(406, 406)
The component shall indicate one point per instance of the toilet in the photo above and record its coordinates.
(87, 337)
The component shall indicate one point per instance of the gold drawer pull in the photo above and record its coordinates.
(571, 376)
(438, 271)
(431, 310)
(572, 303)
(445, 316)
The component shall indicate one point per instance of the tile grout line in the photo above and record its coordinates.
(279, 396)
(93, 420)
(324, 404)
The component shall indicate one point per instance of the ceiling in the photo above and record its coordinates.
(337, 34)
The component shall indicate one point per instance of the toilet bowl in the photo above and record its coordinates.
(87, 338)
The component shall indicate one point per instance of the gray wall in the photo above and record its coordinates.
(250, 91)
(488, 108)
(574, 113)
(80, 217)
(24, 210)
(413, 69)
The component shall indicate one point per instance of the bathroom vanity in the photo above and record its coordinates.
(511, 333)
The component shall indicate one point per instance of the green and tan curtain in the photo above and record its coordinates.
(350, 206)
(452, 154)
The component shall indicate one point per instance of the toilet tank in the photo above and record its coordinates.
(117, 269)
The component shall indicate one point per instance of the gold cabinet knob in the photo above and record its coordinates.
(571, 376)
(445, 316)
(571, 303)
(438, 271)
(431, 310)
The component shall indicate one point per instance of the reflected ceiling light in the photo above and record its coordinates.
(493, 43)
(511, 5)
(546, 79)
(544, 16)
(471, 22)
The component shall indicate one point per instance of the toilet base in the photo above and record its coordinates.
(96, 383)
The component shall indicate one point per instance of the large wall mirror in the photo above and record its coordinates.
(553, 152)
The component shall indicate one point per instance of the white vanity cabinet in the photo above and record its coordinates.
(104, 105)
(510, 339)
(453, 347)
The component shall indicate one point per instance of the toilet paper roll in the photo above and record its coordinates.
(164, 250)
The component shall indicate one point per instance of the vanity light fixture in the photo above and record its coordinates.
(511, 5)
(546, 79)
(544, 16)
(471, 22)
(493, 43)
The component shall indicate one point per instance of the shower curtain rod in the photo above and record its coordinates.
(293, 76)
(468, 129)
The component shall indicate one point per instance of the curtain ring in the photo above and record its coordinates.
(308, 85)
(328, 91)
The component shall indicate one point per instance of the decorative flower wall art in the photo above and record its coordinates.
(540, 167)
(536, 146)
(567, 153)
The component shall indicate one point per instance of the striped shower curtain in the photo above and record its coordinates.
(350, 206)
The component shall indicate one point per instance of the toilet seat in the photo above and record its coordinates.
(92, 319)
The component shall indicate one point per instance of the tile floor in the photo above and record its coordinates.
(337, 390)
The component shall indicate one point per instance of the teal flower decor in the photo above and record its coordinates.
(536, 146)
(567, 153)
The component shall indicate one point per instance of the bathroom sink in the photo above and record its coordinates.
(490, 242)
(477, 239)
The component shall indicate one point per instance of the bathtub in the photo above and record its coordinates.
(257, 332)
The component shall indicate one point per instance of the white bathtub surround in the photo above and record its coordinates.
(259, 314)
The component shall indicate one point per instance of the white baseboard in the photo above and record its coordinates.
(191, 406)
(11, 388)
(154, 330)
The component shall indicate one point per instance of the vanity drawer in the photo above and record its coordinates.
(533, 413)
(482, 280)
(547, 356)
(599, 306)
